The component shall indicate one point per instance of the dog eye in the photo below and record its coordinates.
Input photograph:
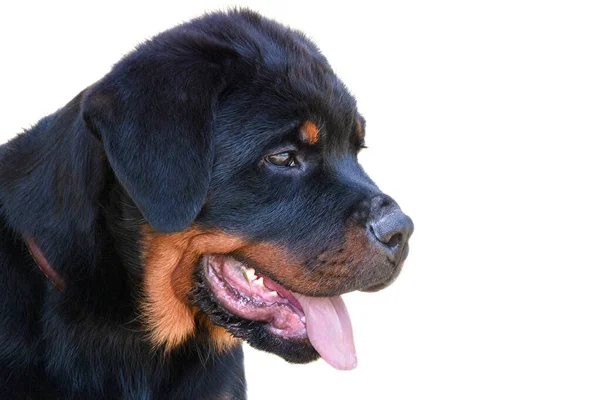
(285, 159)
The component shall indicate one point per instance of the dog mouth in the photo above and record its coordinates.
(322, 323)
(255, 297)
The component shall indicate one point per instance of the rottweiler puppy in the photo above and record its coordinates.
(204, 192)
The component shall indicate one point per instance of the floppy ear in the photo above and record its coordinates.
(154, 114)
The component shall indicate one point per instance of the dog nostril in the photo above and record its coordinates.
(395, 240)
(391, 229)
(389, 238)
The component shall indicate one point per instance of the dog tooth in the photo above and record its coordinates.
(245, 275)
(249, 273)
(260, 281)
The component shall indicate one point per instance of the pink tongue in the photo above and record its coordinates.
(329, 329)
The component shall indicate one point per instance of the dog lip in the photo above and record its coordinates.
(254, 297)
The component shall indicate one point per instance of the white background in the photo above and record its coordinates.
(483, 121)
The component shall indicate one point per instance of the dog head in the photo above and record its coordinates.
(238, 145)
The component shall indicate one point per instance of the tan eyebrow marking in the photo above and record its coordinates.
(359, 130)
(309, 132)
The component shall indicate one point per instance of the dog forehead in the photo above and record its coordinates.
(276, 73)
(287, 73)
(315, 106)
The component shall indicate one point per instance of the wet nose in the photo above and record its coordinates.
(389, 226)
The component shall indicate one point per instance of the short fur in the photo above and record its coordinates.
(162, 161)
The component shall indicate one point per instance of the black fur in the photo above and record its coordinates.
(176, 133)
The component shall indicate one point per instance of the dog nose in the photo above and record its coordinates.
(390, 226)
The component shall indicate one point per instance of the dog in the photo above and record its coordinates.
(205, 192)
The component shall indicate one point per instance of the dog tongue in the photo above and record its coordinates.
(329, 330)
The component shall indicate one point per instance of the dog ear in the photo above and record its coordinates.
(154, 114)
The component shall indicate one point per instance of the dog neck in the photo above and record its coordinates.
(50, 190)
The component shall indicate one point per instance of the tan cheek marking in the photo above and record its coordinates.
(338, 271)
(169, 261)
(309, 132)
(274, 260)
(277, 262)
